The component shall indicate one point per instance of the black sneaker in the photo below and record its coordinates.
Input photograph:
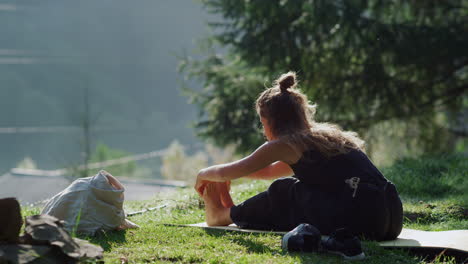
(303, 238)
(343, 243)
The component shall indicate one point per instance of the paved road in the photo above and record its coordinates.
(30, 189)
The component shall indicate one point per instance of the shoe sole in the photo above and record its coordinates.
(284, 241)
(360, 256)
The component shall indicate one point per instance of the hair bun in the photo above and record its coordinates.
(287, 81)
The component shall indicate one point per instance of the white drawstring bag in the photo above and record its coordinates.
(90, 204)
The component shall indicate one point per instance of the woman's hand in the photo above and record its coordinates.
(202, 180)
(206, 176)
(221, 187)
(200, 185)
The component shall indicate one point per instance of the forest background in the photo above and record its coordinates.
(97, 80)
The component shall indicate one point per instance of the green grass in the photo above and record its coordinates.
(154, 242)
(434, 191)
(431, 177)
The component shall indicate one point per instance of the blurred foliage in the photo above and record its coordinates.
(227, 114)
(103, 153)
(392, 140)
(179, 165)
(364, 62)
(27, 163)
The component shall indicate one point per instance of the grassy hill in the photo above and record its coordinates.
(431, 189)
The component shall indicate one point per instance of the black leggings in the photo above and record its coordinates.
(289, 202)
(376, 212)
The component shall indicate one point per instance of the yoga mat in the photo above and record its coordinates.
(409, 238)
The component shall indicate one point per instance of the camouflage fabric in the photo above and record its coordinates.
(33, 254)
(48, 230)
(46, 241)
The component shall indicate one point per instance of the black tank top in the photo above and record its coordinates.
(316, 169)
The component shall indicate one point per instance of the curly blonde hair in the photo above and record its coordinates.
(291, 118)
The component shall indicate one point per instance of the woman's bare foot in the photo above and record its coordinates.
(223, 188)
(215, 213)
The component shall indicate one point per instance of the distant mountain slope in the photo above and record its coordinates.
(123, 51)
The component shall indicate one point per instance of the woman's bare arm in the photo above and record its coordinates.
(264, 156)
(273, 171)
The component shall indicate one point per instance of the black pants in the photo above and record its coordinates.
(376, 212)
(289, 202)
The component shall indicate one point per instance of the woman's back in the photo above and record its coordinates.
(317, 169)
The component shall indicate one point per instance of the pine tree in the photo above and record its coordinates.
(362, 62)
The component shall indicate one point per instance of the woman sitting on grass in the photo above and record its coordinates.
(333, 182)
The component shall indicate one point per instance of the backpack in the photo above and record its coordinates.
(10, 220)
(90, 204)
